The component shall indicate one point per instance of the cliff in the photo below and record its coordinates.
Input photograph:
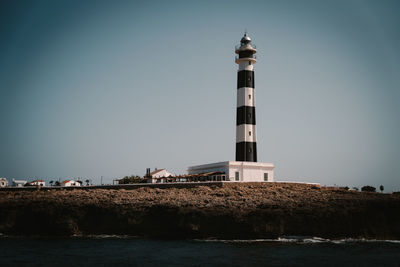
(223, 210)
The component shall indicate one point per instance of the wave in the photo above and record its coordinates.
(283, 239)
(302, 240)
(349, 240)
(104, 236)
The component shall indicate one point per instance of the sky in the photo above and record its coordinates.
(110, 88)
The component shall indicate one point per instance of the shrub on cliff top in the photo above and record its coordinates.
(133, 179)
(368, 188)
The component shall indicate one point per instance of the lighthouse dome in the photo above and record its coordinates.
(246, 39)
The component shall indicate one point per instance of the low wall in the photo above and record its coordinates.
(119, 186)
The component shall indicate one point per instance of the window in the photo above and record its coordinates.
(237, 176)
(249, 96)
(266, 177)
(249, 62)
(249, 133)
(250, 150)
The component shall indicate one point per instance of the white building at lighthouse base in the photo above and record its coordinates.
(239, 171)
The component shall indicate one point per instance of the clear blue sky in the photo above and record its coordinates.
(91, 88)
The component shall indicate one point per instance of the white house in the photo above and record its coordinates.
(18, 183)
(38, 182)
(238, 170)
(68, 183)
(3, 182)
(157, 175)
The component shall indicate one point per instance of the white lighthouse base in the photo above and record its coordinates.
(239, 171)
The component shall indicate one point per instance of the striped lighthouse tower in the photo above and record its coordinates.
(246, 142)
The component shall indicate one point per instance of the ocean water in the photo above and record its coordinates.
(129, 251)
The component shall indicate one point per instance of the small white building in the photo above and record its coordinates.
(68, 183)
(156, 175)
(239, 171)
(18, 183)
(3, 182)
(38, 183)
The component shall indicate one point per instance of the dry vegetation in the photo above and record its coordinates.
(233, 210)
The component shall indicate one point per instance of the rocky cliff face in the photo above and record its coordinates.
(228, 211)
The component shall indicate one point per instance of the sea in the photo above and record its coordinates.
(104, 250)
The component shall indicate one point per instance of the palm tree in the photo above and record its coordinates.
(87, 182)
(57, 183)
(381, 188)
(51, 182)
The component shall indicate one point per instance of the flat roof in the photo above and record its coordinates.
(231, 163)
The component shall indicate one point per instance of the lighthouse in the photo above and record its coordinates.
(246, 140)
(245, 168)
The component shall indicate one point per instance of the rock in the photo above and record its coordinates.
(234, 210)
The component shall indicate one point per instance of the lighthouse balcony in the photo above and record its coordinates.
(245, 47)
(252, 59)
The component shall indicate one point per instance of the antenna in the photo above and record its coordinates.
(245, 31)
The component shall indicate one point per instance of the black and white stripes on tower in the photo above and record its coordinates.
(246, 141)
